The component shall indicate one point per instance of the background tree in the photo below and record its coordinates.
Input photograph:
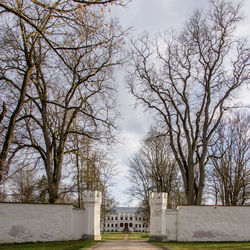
(108, 202)
(23, 185)
(187, 80)
(153, 169)
(3, 193)
(228, 171)
(42, 189)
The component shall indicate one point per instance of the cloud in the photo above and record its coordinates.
(158, 15)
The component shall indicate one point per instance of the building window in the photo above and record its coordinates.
(136, 225)
(108, 218)
(121, 224)
(140, 226)
(115, 218)
(121, 218)
(115, 225)
(131, 218)
(135, 218)
(112, 218)
(139, 218)
(130, 225)
(111, 225)
(108, 225)
(126, 218)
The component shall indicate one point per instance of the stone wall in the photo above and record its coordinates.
(198, 223)
(79, 223)
(171, 224)
(35, 222)
(47, 222)
(213, 223)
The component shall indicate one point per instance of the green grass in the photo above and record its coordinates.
(120, 236)
(112, 236)
(203, 245)
(57, 245)
(138, 236)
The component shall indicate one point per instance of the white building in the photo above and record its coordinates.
(128, 219)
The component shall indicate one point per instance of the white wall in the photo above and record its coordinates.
(21, 222)
(197, 223)
(79, 223)
(213, 223)
(171, 225)
(35, 222)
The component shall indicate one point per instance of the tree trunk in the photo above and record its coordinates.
(79, 190)
(54, 192)
(12, 122)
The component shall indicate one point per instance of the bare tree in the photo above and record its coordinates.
(3, 113)
(25, 24)
(108, 172)
(107, 207)
(23, 185)
(17, 36)
(82, 58)
(91, 169)
(42, 189)
(3, 193)
(230, 157)
(153, 168)
(141, 184)
(187, 80)
(100, 2)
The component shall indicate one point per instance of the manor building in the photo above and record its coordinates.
(126, 219)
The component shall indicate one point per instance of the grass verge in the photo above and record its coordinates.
(138, 236)
(56, 245)
(112, 236)
(120, 236)
(203, 245)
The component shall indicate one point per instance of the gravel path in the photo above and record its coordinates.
(125, 245)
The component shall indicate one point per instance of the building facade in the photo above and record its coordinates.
(126, 219)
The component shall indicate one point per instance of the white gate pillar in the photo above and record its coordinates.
(92, 204)
(158, 206)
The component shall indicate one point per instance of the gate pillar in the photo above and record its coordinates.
(158, 206)
(92, 204)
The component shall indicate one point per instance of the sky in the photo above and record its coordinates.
(153, 16)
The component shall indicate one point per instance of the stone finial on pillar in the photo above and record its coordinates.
(92, 204)
(158, 206)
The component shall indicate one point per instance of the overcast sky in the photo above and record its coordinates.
(153, 16)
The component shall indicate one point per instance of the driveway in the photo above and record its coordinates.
(125, 245)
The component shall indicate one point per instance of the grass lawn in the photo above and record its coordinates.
(57, 245)
(120, 236)
(112, 236)
(138, 236)
(203, 245)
